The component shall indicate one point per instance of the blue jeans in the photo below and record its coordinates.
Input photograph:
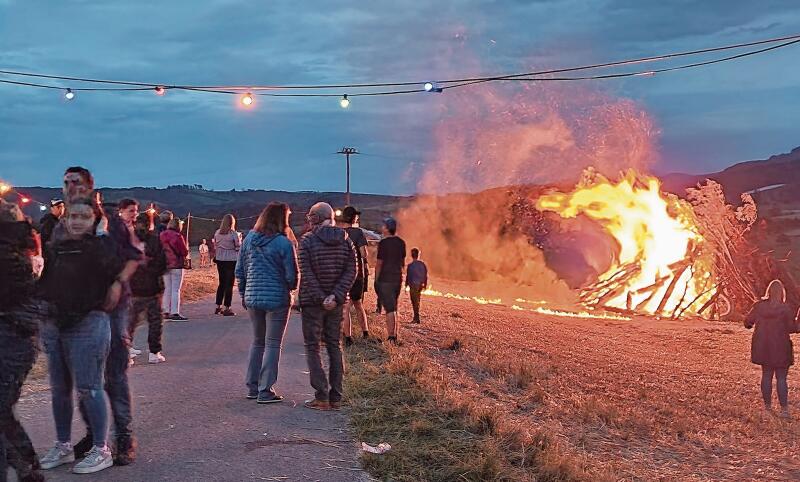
(76, 357)
(269, 327)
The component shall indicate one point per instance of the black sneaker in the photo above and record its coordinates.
(252, 394)
(228, 312)
(177, 317)
(365, 335)
(269, 398)
(125, 450)
(83, 447)
(348, 341)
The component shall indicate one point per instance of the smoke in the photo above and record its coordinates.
(505, 137)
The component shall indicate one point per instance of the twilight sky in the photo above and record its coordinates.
(708, 118)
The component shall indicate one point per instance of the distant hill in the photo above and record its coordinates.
(779, 174)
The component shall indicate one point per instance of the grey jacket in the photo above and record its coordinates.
(327, 265)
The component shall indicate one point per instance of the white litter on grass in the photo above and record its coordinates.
(382, 448)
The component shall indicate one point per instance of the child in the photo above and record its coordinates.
(79, 284)
(204, 261)
(18, 329)
(147, 286)
(417, 281)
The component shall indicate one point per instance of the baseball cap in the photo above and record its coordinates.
(349, 214)
(56, 202)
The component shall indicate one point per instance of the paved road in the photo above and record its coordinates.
(194, 423)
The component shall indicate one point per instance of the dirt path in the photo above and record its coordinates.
(194, 423)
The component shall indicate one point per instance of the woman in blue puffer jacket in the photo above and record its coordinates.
(267, 273)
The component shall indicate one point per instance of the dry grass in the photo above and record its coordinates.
(550, 398)
(199, 283)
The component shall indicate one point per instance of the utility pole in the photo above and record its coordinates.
(347, 151)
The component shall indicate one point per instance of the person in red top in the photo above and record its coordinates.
(176, 251)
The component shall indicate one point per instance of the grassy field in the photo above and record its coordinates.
(481, 392)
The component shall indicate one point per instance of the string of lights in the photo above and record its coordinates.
(247, 94)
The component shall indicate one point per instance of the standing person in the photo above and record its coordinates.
(51, 219)
(771, 346)
(417, 281)
(147, 286)
(175, 249)
(76, 283)
(226, 252)
(389, 274)
(163, 221)
(128, 210)
(327, 272)
(79, 184)
(350, 218)
(267, 273)
(18, 333)
(203, 250)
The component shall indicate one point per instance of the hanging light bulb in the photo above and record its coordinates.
(69, 94)
(160, 90)
(24, 200)
(345, 102)
(4, 188)
(247, 99)
(431, 87)
(42, 208)
(428, 86)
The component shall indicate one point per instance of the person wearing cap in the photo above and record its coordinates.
(389, 273)
(51, 219)
(350, 218)
(327, 271)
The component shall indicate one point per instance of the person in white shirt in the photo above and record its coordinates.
(204, 261)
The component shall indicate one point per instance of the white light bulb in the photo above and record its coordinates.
(69, 95)
(428, 86)
(247, 99)
(345, 102)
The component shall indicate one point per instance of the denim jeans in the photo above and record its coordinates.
(17, 354)
(76, 357)
(321, 325)
(269, 327)
(767, 373)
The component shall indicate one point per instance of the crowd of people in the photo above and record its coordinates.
(106, 266)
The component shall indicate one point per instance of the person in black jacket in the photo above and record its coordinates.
(51, 219)
(147, 286)
(327, 272)
(18, 331)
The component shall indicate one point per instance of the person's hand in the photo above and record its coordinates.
(244, 306)
(329, 303)
(113, 296)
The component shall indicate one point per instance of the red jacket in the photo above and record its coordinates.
(174, 247)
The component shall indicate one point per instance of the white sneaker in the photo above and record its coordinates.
(60, 454)
(133, 352)
(131, 362)
(156, 358)
(96, 460)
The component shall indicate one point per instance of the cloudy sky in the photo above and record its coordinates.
(708, 118)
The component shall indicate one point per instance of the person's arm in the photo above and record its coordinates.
(240, 271)
(348, 273)
(379, 262)
(159, 258)
(424, 276)
(290, 266)
(752, 317)
(311, 284)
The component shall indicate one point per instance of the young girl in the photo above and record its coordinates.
(81, 272)
(226, 249)
(203, 249)
(18, 329)
(771, 348)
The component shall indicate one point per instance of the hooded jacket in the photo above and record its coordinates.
(327, 265)
(267, 271)
(17, 282)
(174, 247)
(147, 280)
(771, 345)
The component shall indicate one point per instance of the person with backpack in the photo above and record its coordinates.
(771, 346)
(226, 251)
(18, 338)
(175, 249)
(267, 273)
(81, 270)
(147, 286)
(327, 272)
(350, 218)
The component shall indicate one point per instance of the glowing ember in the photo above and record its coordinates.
(580, 314)
(661, 267)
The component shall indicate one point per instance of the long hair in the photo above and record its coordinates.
(775, 292)
(174, 224)
(274, 219)
(228, 224)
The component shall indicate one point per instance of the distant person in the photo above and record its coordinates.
(350, 218)
(267, 273)
(18, 338)
(226, 251)
(51, 219)
(327, 272)
(389, 274)
(205, 262)
(417, 281)
(771, 346)
(147, 286)
(175, 249)
(81, 269)
(163, 221)
(128, 210)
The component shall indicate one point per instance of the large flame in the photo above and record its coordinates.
(661, 267)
